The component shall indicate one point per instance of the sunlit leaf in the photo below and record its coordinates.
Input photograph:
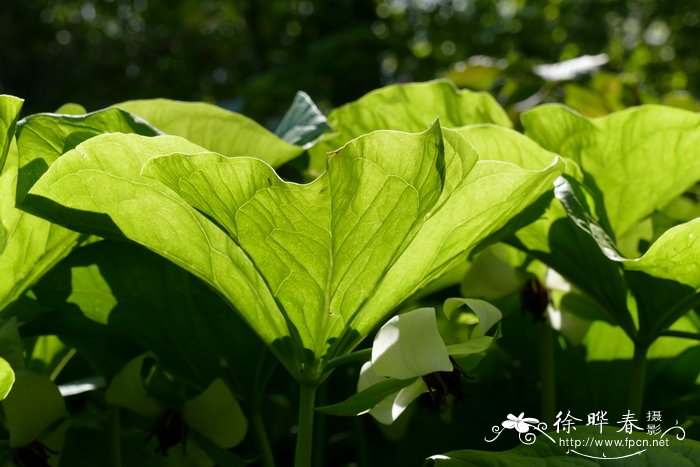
(33, 404)
(306, 265)
(216, 414)
(214, 128)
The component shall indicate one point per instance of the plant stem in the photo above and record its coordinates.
(307, 397)
(637, 377)
(545, 335)
(681, 334)
(266, 457)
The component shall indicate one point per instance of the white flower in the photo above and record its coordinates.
(522, 425)
(409, 347)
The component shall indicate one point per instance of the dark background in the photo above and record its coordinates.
(253, 55)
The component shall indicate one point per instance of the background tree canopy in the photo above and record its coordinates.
(253, 55)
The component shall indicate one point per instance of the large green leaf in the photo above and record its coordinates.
(312, 268)
(32, 245)
(142, 298)
(214, 128)
(552, 238)
(638, 159)
(665, 280)
(406, 107)
(579, 448)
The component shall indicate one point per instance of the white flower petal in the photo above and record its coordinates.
(510, 424)
(554, 281)
(522, 427)
(388, 410)
(368, 377)
(409, 345)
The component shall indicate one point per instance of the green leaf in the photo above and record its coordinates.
(672, 260)
(31, 407)
(71, 108)
(475, 345)
(7, 378)
(303, 123)
(128, 389)
(216, 414)
(546, 452)
(406, 107)
(214, 128)
(43, 138)
(639, 159)
(306, 265)
(366, 399)
(11, 346)
(9, 111)
(675, 255)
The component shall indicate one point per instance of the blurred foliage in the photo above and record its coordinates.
(253, 55)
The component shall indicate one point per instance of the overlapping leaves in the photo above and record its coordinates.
(308, 266)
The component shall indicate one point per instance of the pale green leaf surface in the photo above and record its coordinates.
(406, 107)
(71, 108)
(216, 414)
(128, 389)
(303, 123)
(31, 407)
(9, 111)
(33, 245)
(640, 158)
(411, 107)
(7, 378)
(409, 345)
(675, 255)
(29, 246)
(214, 128)
(393, 212)
(43, 138)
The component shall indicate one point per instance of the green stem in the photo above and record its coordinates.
(545, 337)
(266, 457)
(637, 378)
(357, 356)
(305, 433)
(682, 334)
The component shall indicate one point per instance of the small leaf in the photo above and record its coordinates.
(216, 414)
(128, 389)
(71, 108)
(31, 407)
(303, 123)
(366, 399)
(7, 378)
(475, 345)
